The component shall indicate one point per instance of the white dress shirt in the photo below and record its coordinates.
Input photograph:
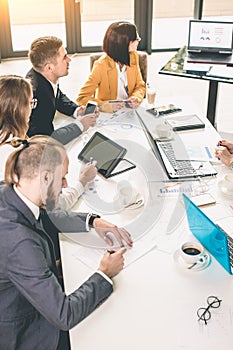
(122, 82)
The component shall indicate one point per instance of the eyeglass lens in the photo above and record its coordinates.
(204, 313)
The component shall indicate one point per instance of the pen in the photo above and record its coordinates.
(91, 160)
(111, 251)
(218, 145)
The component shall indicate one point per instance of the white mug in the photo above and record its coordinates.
(191, 252)
(226, 185)
(163, 131)
(126, 193)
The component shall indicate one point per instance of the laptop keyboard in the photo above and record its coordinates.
(230, 248)
(181, 167)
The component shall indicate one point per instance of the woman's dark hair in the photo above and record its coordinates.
(117, 39)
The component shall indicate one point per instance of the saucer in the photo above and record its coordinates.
(225, 188)
(162, 139)
(200, 265)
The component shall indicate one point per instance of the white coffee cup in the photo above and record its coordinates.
(163, 131)
(191, 252)
(226, 185)
(126, 193)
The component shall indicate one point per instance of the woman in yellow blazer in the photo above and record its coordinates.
(116, 75)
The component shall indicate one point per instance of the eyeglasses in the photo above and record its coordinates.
(33, 103)
(204, 313)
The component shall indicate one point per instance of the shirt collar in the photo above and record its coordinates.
(55, 87)
(33, 207)
(122, 70)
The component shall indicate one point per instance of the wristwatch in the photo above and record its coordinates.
(91, 218)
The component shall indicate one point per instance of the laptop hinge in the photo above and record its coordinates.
(194, 51)
(225, 52)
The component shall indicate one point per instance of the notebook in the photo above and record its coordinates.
(185, 122)
(210, 42)
(211, 236)
(175, 169)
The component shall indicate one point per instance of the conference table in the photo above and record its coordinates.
(175, 67)
(156, 297)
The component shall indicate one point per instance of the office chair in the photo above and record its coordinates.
(142, 62)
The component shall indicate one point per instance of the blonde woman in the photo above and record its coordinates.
(16, 104)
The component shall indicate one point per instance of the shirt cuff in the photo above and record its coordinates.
(80, 125)
(105, 276)
(87, 222)
(69, 196)
(75, 114)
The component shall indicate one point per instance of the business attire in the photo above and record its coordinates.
(69, 195)
(102, 83)
(41, 119)
(33, 307)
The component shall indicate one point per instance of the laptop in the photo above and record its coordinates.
(210, 42)
(175, 169)
(211, 236)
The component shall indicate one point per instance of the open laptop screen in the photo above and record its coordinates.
(210, 36)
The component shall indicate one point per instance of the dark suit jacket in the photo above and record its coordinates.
(33, 307)
(41, 120)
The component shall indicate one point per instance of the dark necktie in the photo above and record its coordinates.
(51, 230)
(58, 91)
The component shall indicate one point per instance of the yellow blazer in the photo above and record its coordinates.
(101, 85)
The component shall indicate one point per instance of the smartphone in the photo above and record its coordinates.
(119, 101)
(90, 107)
(126, 102)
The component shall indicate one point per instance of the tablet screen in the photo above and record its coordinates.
(106, 152)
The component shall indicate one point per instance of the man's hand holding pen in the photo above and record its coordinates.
(112, 262)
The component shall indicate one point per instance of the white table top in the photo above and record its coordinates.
(155, 299)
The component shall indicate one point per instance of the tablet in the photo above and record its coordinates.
(106, 152)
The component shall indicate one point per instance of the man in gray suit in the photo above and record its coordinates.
(34, 308)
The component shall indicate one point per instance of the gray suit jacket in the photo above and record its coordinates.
(67, 133)
(33, 307)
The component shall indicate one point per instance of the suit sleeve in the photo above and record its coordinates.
(87, 92)
(67, 133)
(36, 282)
(64, 104)
(68, 221)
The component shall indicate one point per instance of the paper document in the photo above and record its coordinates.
(185, 122)
(198, 153)
(220, 71)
